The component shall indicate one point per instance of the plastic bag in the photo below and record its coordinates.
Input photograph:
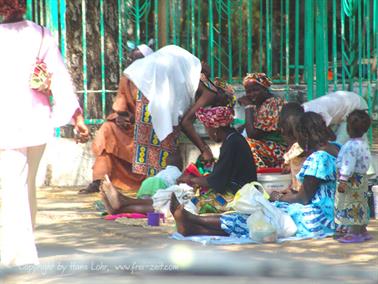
(184, 193)
(251, 199)
(244, 200)
(260, 228)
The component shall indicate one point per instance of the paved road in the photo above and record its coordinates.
(75, 245)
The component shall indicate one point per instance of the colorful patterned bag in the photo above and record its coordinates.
(40, 78)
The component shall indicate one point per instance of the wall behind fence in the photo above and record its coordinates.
(309, 44)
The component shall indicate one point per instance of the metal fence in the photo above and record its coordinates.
(319, 44)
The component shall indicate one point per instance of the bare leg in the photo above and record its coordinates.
(143, 208)
(118, 200)
(188, 224)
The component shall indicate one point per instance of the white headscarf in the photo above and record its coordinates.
(145, 49)
(169, 79)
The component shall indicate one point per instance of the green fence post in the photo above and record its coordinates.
(29, 9)
(287, 42)
(156, 23)
(211, 37)
(84, 48)
(334, 45)
(102, 58)
(369, 94)
(193, 28)
(52, 17)
(309, 48)
(261, 48)
(343, 54)
(321, 47)
(268, 39)
(296, 42)
(229, 33)
(249, 36)
(360, 49)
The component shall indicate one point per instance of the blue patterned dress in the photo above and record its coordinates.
(315, 219)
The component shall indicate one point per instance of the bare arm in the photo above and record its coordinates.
(252, 132)
(304, 196)
(192, 180)
(206, 99)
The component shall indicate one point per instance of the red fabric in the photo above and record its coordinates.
(125, 215)
(256, 78)
(269, 170)
(192, 170)
(215, 117)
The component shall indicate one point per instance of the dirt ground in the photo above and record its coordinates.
(72, 234)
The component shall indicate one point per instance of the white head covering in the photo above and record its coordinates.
(145, 50)
(169, 79)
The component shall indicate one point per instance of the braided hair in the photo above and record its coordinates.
(12, 9)
(311, 131)
(358, 123)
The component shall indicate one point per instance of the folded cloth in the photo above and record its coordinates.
(150, 186)
(224, 240)
(125, 215)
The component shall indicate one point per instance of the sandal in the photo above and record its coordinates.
(366, 236)
(351, 238)
(93, 187)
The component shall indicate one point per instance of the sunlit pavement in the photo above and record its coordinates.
(77, 246)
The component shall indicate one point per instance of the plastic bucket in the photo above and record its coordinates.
(274, 181)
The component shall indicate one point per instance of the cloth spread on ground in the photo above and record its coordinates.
(125, 215)
(224, 240)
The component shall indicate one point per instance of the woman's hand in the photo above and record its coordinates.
(80, 128)
(244, 101)
(342, 186)
(184, 179)
(207, 156)
(286, 169)
(275, 196)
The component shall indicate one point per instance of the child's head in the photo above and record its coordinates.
(311, 131)
(358, 122)
(289, 117)
(175, 159)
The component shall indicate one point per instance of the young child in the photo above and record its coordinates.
(295, 156)
(351, 204)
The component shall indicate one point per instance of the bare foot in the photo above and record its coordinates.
(184, 219)
(107, 205)
(114, 197)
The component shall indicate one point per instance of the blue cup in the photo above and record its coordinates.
(153, 219)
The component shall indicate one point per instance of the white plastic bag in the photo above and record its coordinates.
(250, 199)
(260, 228)
(244, 200)
(184, 193)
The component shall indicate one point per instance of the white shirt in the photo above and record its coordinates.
(335, 107)
(354, 157)
(26, 118)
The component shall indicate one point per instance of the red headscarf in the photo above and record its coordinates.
(12, 8)
(256, 78)
(215, 117)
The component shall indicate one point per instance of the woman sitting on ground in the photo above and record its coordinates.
(235, 166)
(262, 110)
(311, 208)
